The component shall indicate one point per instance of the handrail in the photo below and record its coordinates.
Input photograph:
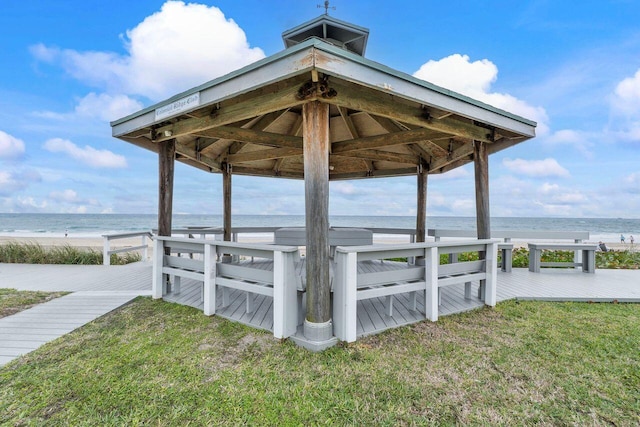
(280, 282)
(107, 238)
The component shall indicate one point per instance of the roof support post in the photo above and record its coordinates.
(226, 196)
(317, 325)
(483, 216)
(166, 157)
(481, 168)
(421, 209)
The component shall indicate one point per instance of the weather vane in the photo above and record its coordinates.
(327, 7)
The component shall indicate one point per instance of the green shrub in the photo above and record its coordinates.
(33, 253)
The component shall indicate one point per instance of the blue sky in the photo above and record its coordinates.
(69, 67)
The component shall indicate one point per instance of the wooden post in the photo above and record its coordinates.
(317, 325)
(166, 156)
(481, 168)
(226, 195)
(483, 216)
(421, 220)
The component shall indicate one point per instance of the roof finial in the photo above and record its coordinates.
(326, 7)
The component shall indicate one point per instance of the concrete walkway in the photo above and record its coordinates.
(97, 290)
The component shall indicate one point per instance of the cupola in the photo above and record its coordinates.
(331, 30)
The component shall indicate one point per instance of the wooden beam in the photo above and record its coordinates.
(252, 136)
(460, 152)
(481, 168)
(348, 122)
(166, 167)
(378, 173)
(233, 112)
(316, 181)
(386, 105)
(252, 156)
(251, 171)
(386, 140)
(382, 156)
(197, 156)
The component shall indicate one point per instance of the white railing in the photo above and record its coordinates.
(351, 286)
(108, 238)
(280, 281)
(507, 235)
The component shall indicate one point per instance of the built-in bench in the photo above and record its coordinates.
(357, 279)
(587, 261)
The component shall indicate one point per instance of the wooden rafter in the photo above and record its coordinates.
(383, 105)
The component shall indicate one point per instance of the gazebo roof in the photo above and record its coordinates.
(382, 122)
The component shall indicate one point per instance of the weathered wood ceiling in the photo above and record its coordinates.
(373, 133)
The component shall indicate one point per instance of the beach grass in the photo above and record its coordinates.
(34, 253)
(13, 301)
(157, 363)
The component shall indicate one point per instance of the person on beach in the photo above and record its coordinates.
(621, 238)
(631, 239)
(603, 247)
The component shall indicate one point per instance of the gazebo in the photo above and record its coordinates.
(320, 111)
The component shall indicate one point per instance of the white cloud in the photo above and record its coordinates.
(626, 98)
(625, 106)
(10, 147)
(11, 182)
(579, 140)
(106, 107)
(181, 46)
(536, 168)
(87, 155)
(549, 188)
(456, 72)
(101, 106)
(71, 197)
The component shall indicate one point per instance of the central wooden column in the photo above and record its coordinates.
(481, 168)
(317, 325)
(166, 164)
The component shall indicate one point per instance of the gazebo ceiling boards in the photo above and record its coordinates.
(382, 122)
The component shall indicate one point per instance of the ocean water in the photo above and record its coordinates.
(92, 225)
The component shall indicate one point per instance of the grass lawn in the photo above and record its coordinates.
(156, 363)
(13, 301)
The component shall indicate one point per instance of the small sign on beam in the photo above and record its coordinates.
(184, 104)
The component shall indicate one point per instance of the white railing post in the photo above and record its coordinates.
(157, 284)
(345, 296)
(145, 250)
(285, 299)
(106, 257)
(431, 263)
(491, 268)
(209, 285)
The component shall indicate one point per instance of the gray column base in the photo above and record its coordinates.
(315, 336)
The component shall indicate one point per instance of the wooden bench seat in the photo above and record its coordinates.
(587, 262)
